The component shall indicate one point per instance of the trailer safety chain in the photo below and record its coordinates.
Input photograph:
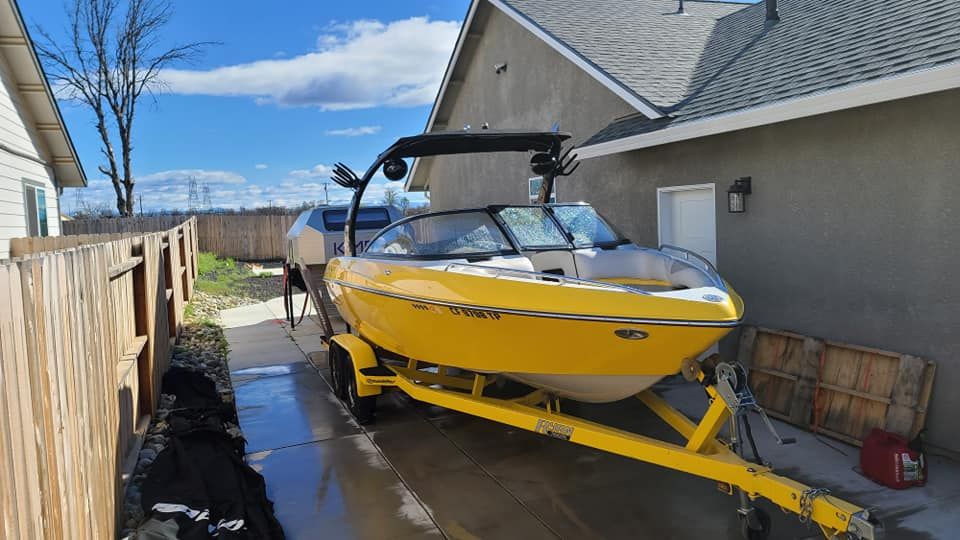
(806, 502)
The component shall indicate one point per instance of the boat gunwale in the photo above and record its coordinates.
(543, 314)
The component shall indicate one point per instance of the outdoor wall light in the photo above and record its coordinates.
(737, 195)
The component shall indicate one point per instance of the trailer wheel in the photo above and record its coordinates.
(362, 408)
(751, 532)
(335, 359)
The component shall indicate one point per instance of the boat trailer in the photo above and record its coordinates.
(359, 375)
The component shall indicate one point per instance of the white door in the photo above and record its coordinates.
(688, 218)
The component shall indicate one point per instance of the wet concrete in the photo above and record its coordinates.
(422, 471)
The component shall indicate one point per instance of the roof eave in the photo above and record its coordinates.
(68, 171)
(907, 85)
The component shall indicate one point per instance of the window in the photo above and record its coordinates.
(35, 200)
(533, 228)
(586, 226)
(453, 235)
(534, 184)
(367, 219)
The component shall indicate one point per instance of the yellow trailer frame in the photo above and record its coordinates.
(704, 454)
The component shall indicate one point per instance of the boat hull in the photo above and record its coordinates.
(421, 314)
(589, 388)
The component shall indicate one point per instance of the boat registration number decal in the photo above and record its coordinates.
(475, 313)
(554, 429)
(426, 307)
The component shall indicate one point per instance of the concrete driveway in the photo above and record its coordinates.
(421, 471)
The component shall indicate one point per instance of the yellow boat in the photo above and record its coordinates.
(550, 295)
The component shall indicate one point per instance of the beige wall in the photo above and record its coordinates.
(514, 100)
(852, 232)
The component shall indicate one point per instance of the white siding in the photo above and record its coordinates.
(17, 130)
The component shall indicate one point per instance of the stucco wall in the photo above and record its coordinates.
(539, 88)
(852, 232)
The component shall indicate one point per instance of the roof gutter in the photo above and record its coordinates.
(898, 87)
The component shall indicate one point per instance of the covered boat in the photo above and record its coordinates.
(549, 295)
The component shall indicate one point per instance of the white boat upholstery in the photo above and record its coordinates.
(633, 262)
(513, 262)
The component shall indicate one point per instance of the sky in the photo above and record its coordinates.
(285, 93)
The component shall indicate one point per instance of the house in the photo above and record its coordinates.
(37, 157)
(843, 115)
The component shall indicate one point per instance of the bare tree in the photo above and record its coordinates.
(392, 197)
(108, 61)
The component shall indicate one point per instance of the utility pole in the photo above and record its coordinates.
(326, 195)
(141, 204)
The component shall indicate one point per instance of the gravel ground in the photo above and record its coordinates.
(206, 306)
(202, 348)
(263, 288)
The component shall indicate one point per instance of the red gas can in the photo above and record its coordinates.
(888, 459)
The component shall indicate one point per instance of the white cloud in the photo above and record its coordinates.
(260, 166)
(170, 190)
(353, 131)
(316, 171)
(182, 176)
(356, 65)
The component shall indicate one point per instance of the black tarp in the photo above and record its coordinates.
(199, 486)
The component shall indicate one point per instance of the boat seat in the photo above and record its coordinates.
(633, 263)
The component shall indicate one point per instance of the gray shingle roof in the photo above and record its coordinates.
(721, 58)
(643, 44)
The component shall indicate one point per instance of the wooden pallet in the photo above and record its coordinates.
(836, 389)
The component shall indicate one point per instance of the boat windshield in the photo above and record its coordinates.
(586, 226)
(465, 234)
(532, 228)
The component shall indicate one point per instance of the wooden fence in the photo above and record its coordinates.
(86, 328)
(248, 238)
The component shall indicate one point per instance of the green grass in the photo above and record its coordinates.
(220, 276)
(209, 262)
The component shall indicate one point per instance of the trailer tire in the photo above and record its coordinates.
(335, 360)
(763, 519)
(362, 408)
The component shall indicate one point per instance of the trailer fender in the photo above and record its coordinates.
(362, 357)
